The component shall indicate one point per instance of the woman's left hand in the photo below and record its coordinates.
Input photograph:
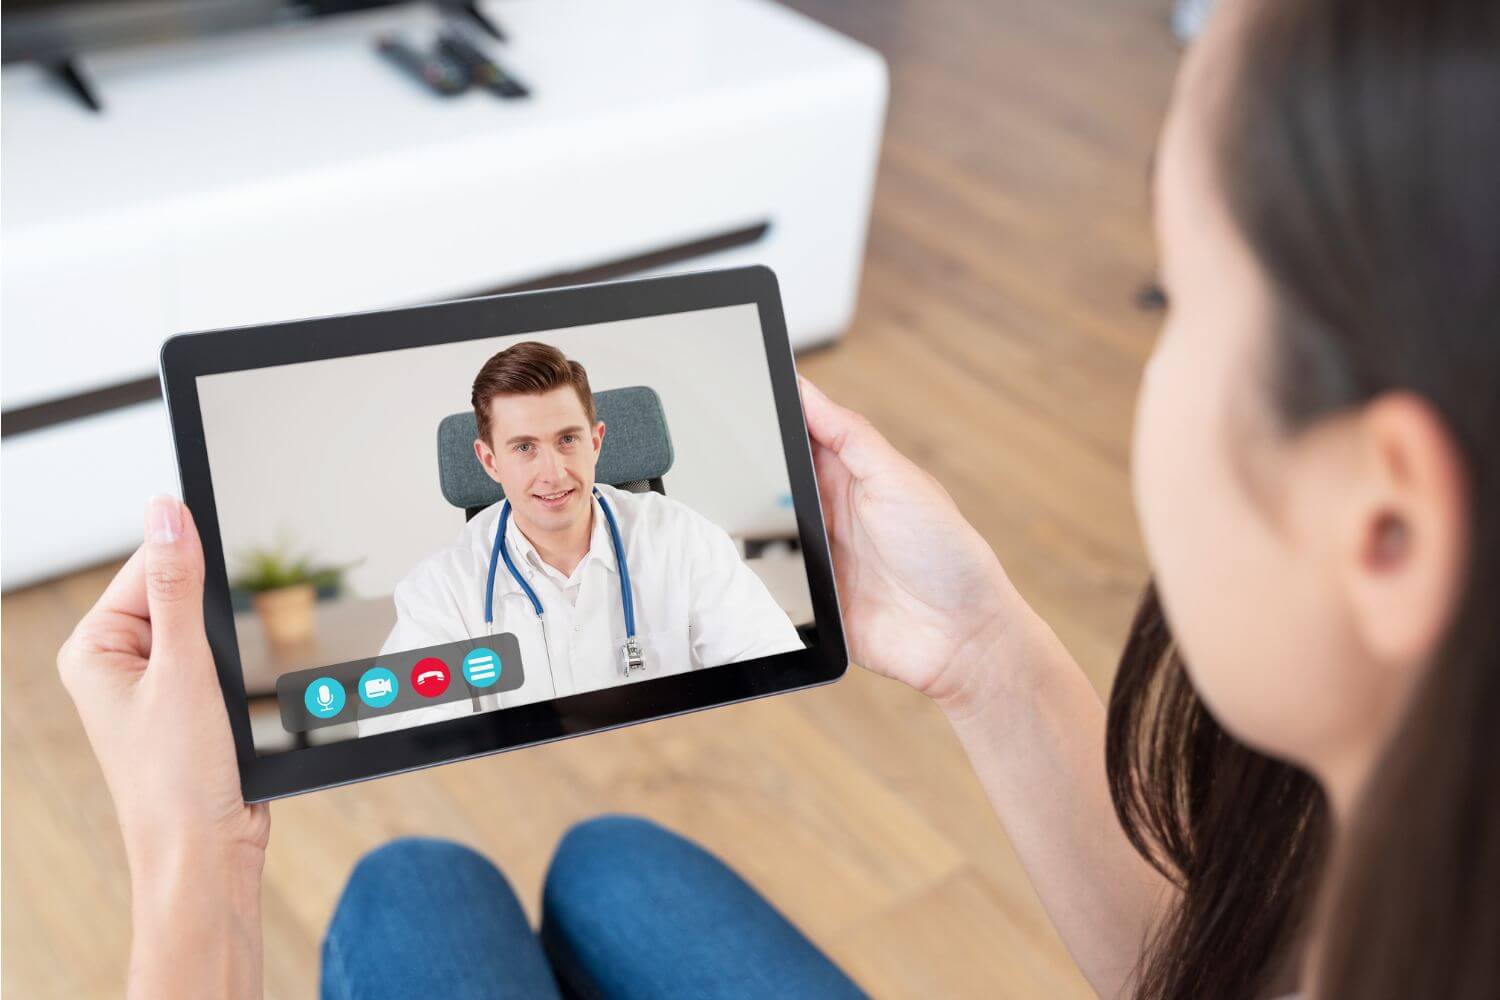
(140, 671)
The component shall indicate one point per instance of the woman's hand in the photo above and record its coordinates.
(925, 601)
(924, 598)
(139, 670)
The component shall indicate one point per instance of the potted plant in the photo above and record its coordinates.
(283, 588)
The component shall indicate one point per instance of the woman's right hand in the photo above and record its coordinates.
(926, 602)
(924, 598)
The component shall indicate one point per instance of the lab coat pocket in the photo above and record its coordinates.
(666, 651)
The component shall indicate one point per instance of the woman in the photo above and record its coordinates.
(1294, 788)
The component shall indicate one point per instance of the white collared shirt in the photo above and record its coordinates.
(696, 604)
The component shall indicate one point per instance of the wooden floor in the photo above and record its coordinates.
(997, 343)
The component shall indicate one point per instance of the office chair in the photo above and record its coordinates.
(636, 453)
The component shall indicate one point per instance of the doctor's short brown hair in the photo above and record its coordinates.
(528, 368)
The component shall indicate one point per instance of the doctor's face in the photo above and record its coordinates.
(542, 452)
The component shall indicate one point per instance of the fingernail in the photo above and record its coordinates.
(164, 520)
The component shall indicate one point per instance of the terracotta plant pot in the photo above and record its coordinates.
(286, 613)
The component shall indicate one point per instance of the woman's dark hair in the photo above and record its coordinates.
(1358, 148)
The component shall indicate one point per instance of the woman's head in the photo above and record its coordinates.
(1314, 463)
(1312, 417)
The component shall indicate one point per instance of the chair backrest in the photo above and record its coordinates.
(636, 453)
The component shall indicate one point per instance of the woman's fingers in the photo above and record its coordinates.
(848, 435)
(115, 630)
(832, 475)
(126, 593)
(828, 423)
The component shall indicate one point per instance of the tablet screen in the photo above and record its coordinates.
(418, 535)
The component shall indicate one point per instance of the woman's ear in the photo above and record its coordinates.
(1407, 556)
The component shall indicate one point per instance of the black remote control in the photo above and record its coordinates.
(481, 68)
(438, 72)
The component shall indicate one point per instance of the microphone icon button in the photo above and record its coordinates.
(324, 698)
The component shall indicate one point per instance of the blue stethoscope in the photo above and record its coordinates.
(633, 658)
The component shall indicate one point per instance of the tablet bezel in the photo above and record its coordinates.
(185, 357)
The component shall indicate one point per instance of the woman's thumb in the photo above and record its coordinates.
(174, 576)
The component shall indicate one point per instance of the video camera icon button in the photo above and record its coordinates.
(378, 687)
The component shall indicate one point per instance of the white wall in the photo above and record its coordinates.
(339, 458)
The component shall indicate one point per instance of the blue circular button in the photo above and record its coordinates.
(482, 667)
(324, 698)
(378, 687)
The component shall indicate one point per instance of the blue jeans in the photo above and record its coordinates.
(629, 909)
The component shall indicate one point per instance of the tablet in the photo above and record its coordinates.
(450, 530)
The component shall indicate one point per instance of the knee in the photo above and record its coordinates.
(611, 847)
(430, 911)
(399, 865)
(406, 854)
(606, 861)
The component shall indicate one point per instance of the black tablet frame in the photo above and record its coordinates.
(185, 357)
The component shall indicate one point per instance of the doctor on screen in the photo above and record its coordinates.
(693, 600)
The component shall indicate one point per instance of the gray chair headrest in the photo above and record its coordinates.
(637, 447)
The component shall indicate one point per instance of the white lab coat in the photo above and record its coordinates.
(696, 605)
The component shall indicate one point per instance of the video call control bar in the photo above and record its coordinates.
(399, 682)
